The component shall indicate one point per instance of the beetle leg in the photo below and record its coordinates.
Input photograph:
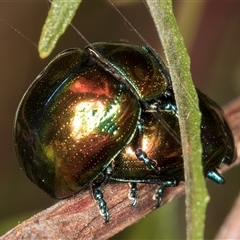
(215, 176)
(158, 196)
(141, 155)
(160, 190)
(97, 186)
(133, 193)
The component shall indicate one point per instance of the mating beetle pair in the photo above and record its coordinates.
(109, 113)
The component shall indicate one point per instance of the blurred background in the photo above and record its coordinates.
(211, 33)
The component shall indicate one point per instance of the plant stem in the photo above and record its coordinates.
(189, 115)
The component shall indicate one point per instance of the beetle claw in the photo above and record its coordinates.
(97, 186)
(215, 176)
(97, 194)
(133, 193)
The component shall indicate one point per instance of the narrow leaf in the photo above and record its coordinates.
(59, 17)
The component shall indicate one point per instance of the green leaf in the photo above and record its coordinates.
(189, 115)
(59, 17)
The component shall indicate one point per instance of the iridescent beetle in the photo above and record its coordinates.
(109, 112)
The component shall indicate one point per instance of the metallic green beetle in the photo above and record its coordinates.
(86, 118)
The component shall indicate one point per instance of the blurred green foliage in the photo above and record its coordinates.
(210, 31)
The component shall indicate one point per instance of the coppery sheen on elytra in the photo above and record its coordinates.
(109, 112)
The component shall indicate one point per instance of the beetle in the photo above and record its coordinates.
(159, 145)
(77, 121)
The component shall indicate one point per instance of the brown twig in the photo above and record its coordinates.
(79, 218)
(231, 227)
